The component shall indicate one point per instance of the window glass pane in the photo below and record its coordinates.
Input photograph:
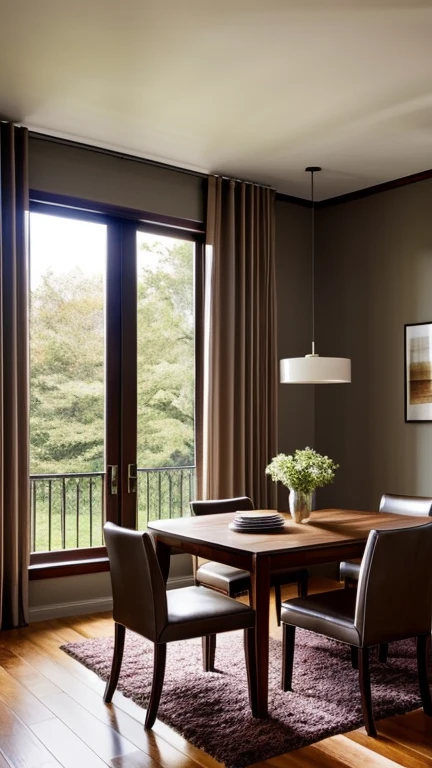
(67, 372)
(166, 376)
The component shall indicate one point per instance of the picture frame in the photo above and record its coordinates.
(418, 371)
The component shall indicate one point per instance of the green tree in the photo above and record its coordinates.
(67, 374)
(67, 365)
(166, 356)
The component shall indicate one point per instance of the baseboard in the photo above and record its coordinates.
(76, 608)
(95, 605)
(176, 582)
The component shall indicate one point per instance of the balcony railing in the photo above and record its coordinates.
(67, 511)
(164, 492)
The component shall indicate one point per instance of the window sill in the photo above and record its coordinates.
(68, 568)
(54, 565)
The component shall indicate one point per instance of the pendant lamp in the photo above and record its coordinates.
(313, 369)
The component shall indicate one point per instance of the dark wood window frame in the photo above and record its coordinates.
(123, 224)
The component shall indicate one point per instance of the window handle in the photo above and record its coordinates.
(112, 479)
(132, 478)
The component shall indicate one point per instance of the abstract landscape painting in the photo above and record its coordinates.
(418, 372)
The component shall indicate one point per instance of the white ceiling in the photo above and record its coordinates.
(255, 89)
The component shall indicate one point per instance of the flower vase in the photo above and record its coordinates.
(300, 505)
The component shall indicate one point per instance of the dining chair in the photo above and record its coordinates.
(142, 604)
(391, 603)
(234, 581)
(417, 506)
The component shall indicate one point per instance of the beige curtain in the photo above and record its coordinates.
(14, 378)
(240, 381)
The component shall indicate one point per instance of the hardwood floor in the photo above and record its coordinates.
(52, 714)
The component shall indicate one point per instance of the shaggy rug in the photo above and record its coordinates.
(211, 710)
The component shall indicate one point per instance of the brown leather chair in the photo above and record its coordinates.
(400, 505)
(142, 604)
(390, 603)
(233, 581)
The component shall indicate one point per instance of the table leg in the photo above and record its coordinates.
(260, 601)
(163, 553)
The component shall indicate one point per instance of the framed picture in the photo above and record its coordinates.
(418, 372)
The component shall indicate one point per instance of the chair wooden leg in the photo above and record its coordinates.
(365, 691)
(119, 640)
(302, 586)
(288, 643)
(383, 653)
(250, 655)
(423, 651)
(157, 683)
(278, 602)
(354, 657)
(208, 652)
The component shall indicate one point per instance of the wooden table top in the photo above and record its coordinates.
(326, 528)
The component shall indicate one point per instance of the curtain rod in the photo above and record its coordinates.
(244, 181)
(137, 159)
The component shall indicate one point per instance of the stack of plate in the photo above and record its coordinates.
(259, 521)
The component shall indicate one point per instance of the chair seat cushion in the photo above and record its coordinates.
(350, 569)
(328, 613)
(233, 581)
(225, 578)
(198, 611)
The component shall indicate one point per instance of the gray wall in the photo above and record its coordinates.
(68, 170)
(293, 275)
(373, 274)
(74, 595)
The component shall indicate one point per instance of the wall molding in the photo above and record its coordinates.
(93, 605)
(385, 186)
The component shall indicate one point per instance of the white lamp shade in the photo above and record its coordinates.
(314, 369)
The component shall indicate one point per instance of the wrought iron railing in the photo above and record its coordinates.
(164, 492)
(67, 510)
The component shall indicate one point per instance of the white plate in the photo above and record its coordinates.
(264, 514)
(259, 520)
(257, 529)
(258, 523)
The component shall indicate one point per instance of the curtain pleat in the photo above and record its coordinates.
(14, 377)
(240, 345)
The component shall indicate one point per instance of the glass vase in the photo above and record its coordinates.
(300, 505)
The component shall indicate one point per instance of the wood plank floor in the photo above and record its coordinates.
(52, 714)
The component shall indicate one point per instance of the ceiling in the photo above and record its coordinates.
(255, 89)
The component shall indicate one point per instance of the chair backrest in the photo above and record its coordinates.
(406, 505)
(139, 593)
(215, 507)
(394, 593)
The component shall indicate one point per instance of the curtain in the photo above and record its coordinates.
(14, 378)
(240, 378)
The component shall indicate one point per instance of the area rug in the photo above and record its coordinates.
(211, 710)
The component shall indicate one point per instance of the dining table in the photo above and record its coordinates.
(330, 535)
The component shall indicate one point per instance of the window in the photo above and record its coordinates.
(112, 371)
